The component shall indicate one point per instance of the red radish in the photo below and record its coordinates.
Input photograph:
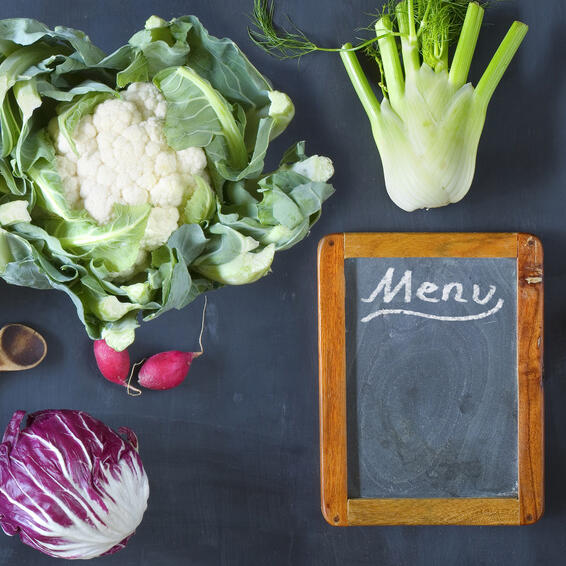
(168, 369)
(113, 365)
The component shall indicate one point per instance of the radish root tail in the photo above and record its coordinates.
(131, 389)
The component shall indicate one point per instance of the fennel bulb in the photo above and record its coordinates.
(428, 125)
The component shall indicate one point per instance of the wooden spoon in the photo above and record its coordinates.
(21, 347)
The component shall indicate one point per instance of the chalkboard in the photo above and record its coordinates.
(431, 377)
(430, 374)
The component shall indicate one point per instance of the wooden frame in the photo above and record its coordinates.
(337, 509)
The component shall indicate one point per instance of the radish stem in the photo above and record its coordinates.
(201, 328)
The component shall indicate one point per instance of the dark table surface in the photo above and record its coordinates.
(232, 454)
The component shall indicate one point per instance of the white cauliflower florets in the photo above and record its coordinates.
(191, 159)
(122, 157)
(148, 99)
(161, 223)
(170, 190)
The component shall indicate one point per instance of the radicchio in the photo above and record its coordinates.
(70, 486)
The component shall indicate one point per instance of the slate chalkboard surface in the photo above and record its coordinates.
(431, 377)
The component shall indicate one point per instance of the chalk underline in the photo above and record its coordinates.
(479, 316)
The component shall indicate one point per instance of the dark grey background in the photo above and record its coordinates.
(232, 455)
(432, 404)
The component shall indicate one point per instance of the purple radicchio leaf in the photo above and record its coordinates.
(70, 486)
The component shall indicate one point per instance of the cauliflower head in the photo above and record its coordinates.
(121, 156)
(136, 181)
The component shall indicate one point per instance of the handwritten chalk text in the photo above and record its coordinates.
(429, 292)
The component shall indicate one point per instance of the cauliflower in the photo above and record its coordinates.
(122, 157)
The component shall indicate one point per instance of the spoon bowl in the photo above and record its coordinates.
(21, 347)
